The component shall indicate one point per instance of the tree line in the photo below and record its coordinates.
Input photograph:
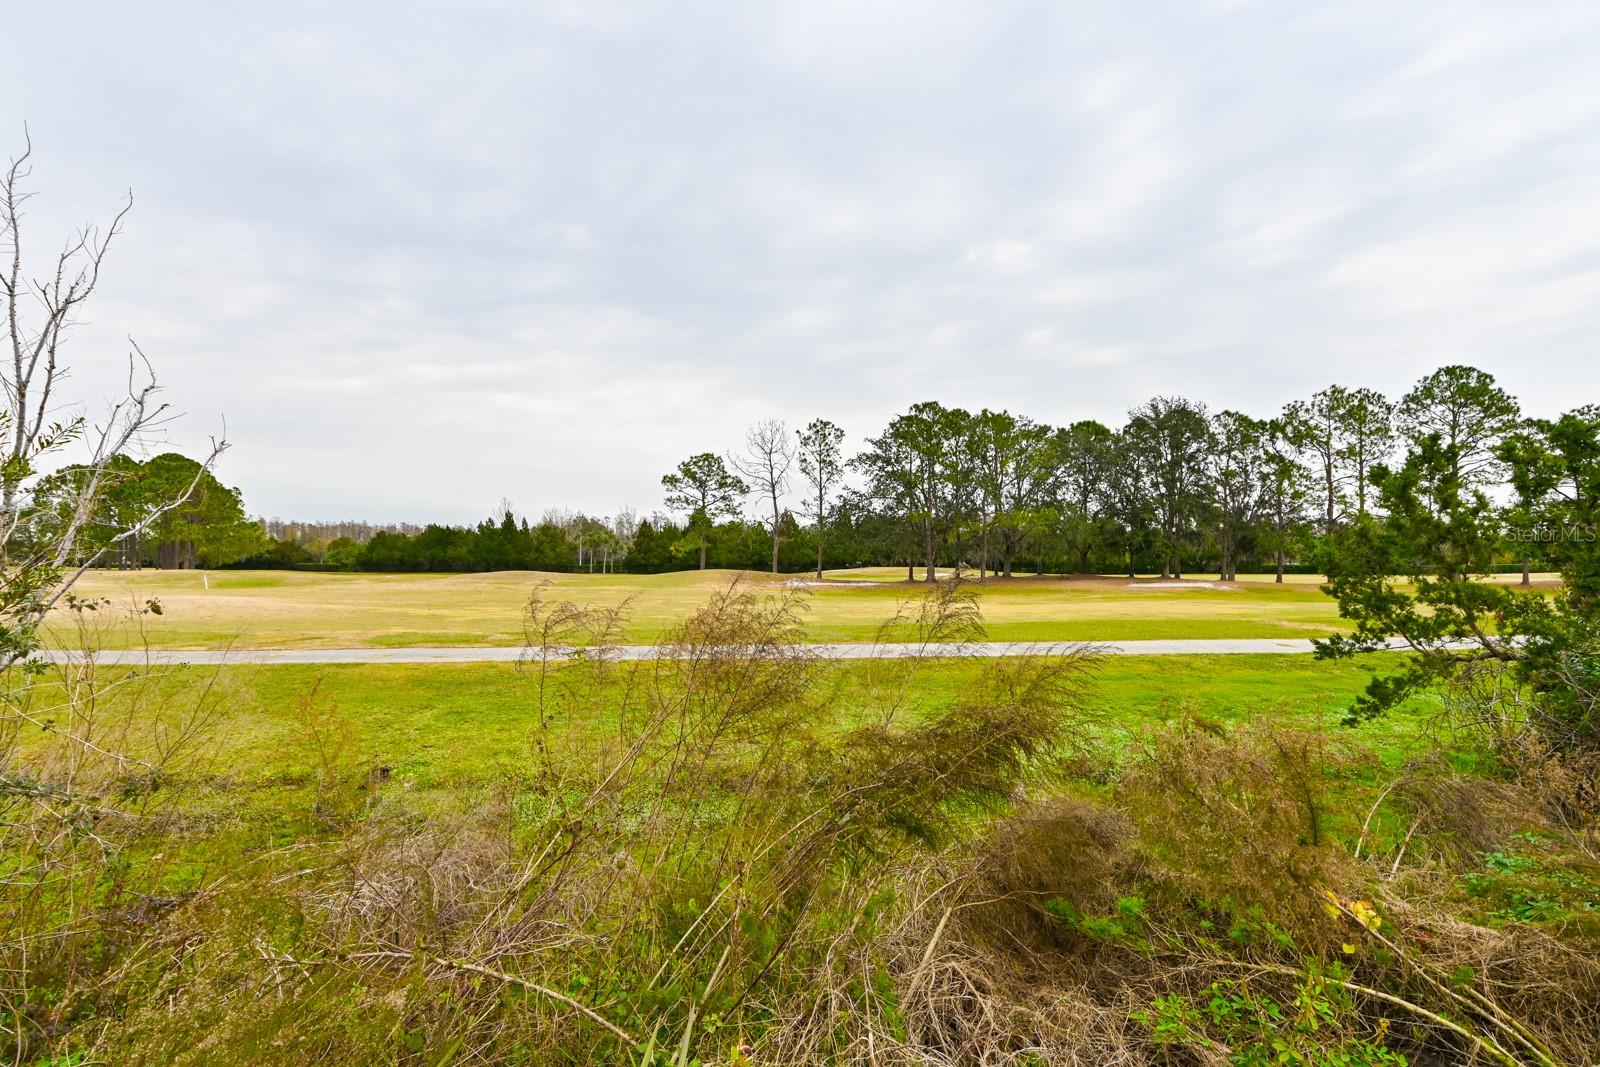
(167, 511)
(1175, 488)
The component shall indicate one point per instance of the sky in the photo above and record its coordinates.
(417, 258)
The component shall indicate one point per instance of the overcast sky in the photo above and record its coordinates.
(425, 256)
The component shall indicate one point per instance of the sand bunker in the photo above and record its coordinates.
(840, 583)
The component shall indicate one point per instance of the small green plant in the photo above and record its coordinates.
(1514, 886)
(1317, 1026)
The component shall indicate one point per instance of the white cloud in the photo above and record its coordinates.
(422, 258)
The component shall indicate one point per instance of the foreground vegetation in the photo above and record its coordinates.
(740, 854)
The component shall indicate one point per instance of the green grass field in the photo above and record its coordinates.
(283, 609)
(445, 726)
(440, 725)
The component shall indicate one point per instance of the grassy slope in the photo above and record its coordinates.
(449, 738)
(447, 726)
(288, 609)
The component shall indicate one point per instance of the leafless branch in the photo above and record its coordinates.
(41, 542)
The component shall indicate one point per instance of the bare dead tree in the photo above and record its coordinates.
(768, 455)
(43, 543)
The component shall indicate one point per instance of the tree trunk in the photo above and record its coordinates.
(777, 515)
(1526, 577)
(819, 557)
(176, 555)
(1279, 555)
(1328, 474)
(702, 555)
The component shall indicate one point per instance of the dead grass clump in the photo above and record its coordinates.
(1243, 820)
(1538, 983)
(989, 973)
(964, 1006)
(1565, 788)
(1430, 813)
(943, 978)
(1058, 856)
(396, 883)
(1544, 735)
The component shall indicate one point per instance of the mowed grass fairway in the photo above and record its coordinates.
(288, 609)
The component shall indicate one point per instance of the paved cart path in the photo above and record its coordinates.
(1207, 647)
